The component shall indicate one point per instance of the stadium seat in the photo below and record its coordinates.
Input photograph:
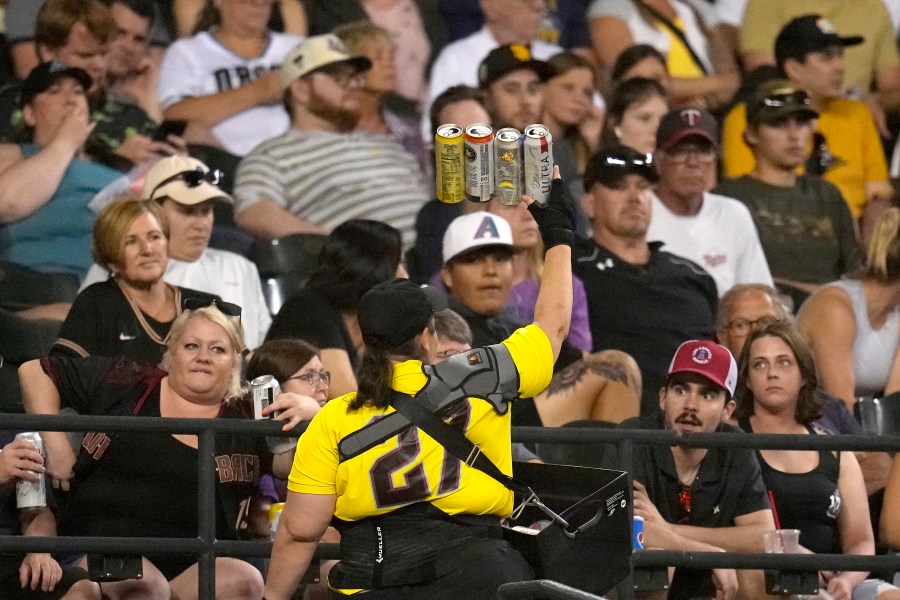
(285, 265)
(880, 416)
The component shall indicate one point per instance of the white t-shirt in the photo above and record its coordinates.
(228, 275)
(721, 238)
(202, 66)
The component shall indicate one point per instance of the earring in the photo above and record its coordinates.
(618, 132)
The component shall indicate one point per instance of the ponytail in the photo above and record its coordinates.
(883, 254)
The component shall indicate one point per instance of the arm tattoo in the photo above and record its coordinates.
(571, 375)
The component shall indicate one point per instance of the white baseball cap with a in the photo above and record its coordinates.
(473, 231)
(316, 52)
(184, 179)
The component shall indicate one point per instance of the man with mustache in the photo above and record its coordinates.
(694, 498)
(641, 299)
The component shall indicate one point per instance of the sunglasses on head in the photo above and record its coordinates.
(226, 308)
(192, 179)
(780, 99)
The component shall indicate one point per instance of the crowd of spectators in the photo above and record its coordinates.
(726, 165)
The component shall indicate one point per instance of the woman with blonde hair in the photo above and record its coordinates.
(131, 313)
(379, 90)
(145, 484)
(853, 325)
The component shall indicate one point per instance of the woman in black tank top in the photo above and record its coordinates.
(820, 493)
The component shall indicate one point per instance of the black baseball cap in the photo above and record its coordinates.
(395, 311)
(46, 74)
(681, 123)
(608, 166)
(506, 59)
(776, 100)
(809, 33)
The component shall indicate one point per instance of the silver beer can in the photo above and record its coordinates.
(508, 163)
(263, 390)
(538, 150)
(479, 152)
(32, 494)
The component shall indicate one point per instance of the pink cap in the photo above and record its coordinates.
(709, 359)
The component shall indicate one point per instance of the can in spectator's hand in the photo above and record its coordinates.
(637, 542)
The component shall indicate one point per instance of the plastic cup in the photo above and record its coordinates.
(782, 541)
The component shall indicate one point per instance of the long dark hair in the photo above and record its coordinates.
(376, 370)
(809, 401)
(357, 254)
(280, 358)
(631, 91)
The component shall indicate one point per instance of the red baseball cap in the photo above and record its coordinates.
(709, 359)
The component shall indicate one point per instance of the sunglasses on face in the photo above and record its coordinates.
(192, 179)
(313, 378)
(226, 308)
(778, 100)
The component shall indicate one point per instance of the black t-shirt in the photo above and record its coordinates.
(806, 231)
(104, 322)
(645, 310)
(145, 484)
(729, 484)
(307, 316)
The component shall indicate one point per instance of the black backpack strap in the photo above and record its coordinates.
(488, 373)
(675, 31)
(462, 448)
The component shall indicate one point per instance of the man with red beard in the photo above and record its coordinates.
(695, 498)
(323, 171)
(641, 299)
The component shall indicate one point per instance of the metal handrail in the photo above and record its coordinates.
(543, 588)
(206, 547)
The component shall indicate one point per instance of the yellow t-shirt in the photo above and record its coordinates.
(850, 134)
(679, 62)
(412, 467)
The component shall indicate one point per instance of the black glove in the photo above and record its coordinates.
(556, 218)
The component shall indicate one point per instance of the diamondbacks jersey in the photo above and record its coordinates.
(411, 467)
(200, 66)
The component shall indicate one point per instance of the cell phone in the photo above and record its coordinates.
(169, 127)
(109, 567)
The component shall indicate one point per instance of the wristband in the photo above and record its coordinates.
(557, 237)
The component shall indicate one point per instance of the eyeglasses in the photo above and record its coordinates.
(313, 378)
(343, 75)
(192, 179)
(793, 98)
(226, 308)
(681, 154)
(745, 326)
(685, 496)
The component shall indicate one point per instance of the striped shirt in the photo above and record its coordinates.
(328, 178)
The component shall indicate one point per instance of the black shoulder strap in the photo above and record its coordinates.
(675, 31)
(453, 440)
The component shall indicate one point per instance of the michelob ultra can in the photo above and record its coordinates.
(479, 150)
(263, 390)
(32, 494)
(538, 150)
(450, 163)
(508, 175)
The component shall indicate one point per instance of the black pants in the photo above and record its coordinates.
(475, 579)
